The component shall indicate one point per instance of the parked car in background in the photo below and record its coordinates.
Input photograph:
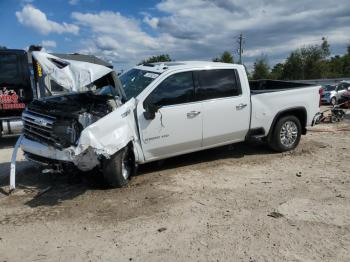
(332, 93)
(345, 100)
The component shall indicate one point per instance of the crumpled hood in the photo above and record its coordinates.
(72, 75)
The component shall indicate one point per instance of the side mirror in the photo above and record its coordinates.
(150, 111)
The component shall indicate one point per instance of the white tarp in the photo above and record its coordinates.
(75, 75)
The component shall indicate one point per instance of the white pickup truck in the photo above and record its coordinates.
(158, 111)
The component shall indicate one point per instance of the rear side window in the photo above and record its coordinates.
(176, 89)
(218, 83)
(8, 67)
(343, 86)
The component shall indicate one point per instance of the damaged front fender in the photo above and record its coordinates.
(111, 133)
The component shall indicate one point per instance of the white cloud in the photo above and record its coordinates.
(152, 22)
(36, 19)
(48, 43)
(273, 27)
(73, 2)
(116, 37)
(202, 29)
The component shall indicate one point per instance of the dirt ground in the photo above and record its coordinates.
(235, 203)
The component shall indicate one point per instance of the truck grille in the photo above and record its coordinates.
(38, 127)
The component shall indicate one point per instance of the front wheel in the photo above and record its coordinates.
(286, 134)
(118, 169)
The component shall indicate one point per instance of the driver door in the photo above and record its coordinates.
(177, 126)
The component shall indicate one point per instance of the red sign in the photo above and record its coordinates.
(9, 100)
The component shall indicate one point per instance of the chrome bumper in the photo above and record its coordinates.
(35, 148)
(84, 161)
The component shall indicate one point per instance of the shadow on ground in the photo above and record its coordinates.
(225, 152)
(61, 187)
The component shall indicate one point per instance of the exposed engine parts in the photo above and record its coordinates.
(58, 121)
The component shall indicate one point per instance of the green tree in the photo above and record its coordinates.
(225, 57)
(2, 47)
(155, 59)
(261, 68)
(314, 65)
(311, 62)
(325, 47)
(277, 71)
(346, 63)
(336, 67)
(293, 67)
(308, 62)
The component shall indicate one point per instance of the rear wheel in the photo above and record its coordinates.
(286, 134)
(119, 168)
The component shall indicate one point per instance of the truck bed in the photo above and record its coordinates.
(269, 98)
(267, 86)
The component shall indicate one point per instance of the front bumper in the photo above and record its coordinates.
(85, 161)
(36, 148)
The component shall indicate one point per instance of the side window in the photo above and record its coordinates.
(344, 86)
(176, 89)
(8, 66)
(218, 83)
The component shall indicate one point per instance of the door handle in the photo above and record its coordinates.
(193, 114)
(241, 106)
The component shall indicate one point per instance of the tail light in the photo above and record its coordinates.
(320, 91)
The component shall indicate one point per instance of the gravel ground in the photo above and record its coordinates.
(235, 203)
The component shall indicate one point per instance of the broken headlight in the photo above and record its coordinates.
(66, 132)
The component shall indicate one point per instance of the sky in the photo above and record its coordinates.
(125, 32)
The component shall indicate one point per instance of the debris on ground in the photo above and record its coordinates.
(161, 229)
(340, 196)
(41, 192)
(275, 215)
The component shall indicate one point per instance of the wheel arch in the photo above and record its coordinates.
(298, 112)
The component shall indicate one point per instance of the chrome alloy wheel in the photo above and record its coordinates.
(126, 165)
(289, 133)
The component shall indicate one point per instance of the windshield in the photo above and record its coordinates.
(135, 81)
(329, 88)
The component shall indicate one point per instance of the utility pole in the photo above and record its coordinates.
(241, 42)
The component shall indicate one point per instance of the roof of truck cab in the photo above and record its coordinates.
(181, 65)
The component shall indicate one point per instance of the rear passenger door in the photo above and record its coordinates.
(177, 126)
(225, 109)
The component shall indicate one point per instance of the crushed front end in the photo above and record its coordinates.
(53, 126)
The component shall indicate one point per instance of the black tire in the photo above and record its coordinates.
(113, 168)
(333, 101)
(281, 145)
